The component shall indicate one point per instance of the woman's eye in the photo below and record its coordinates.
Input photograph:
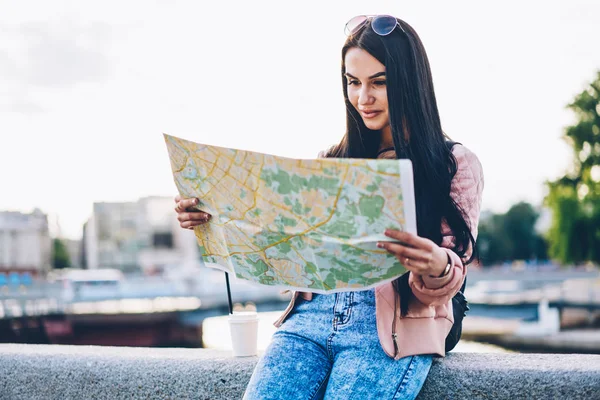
(379, 83)
(352, 82)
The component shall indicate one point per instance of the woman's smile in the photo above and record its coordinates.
(368, 114)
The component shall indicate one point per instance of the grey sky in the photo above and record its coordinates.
(87, 88)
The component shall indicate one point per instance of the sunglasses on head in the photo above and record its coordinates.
(382, 25)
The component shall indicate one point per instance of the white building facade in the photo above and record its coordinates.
(25, 243)
(143, 235)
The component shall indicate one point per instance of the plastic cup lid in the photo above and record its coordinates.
(243, 316)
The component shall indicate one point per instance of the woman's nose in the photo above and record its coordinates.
(364, 96)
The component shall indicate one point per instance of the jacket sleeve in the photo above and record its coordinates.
(466, 190)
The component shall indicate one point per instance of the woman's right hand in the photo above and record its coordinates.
(188, 217)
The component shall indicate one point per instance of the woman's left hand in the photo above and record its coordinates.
(419, 255)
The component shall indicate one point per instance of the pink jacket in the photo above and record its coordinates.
(424, 329)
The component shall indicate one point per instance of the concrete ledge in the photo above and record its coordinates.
(92, 372)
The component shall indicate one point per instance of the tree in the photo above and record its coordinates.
(60, 255)
(574, 199)
(510, 236)
(493, 245)
(519, 226)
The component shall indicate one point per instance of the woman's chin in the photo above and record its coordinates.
(373, 125)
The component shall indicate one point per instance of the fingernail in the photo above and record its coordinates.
(380, 245)
(191, 228)
(387, 232)
(195, 201)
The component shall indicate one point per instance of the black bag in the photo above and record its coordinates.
(460, 306)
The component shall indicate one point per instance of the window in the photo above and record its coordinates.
(162, 240)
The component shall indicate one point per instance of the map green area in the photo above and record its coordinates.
(309, 225)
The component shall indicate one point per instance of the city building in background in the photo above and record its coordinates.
(25, 246)
(74, 249)
(142, 236)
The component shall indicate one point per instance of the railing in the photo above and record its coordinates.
(138, 295)
(208, 291)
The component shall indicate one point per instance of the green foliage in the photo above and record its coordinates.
(574, 199)
(60, 255)
(510, 236)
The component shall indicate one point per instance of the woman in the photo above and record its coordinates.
(379, 343)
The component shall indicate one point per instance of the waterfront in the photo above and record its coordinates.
(216, 335)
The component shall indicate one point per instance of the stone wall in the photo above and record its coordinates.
(48, 372)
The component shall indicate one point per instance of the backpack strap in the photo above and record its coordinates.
(451, 143)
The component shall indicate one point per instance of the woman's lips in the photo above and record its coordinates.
(370, 114)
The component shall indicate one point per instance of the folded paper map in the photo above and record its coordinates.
(309, 225)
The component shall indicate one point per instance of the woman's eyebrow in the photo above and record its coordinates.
(377, 75)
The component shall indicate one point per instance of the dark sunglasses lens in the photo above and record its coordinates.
(355, 24)
(383, 24)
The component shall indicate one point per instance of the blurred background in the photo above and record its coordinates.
(91, 252)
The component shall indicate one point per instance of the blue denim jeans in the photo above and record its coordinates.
(328, 348)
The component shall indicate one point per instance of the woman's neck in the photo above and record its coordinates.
(386, 140)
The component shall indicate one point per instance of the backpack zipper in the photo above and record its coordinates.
(394, 334)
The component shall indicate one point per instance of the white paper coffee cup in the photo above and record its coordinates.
(243, 326)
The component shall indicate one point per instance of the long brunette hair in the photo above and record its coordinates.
(412, 109)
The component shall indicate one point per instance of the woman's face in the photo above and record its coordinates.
(367, 89)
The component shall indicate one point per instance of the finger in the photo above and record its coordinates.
(184, 204)
(191, 224)
(403, 252)
(177, 198)
(404, 237)
(408, 238)
(193, 216)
